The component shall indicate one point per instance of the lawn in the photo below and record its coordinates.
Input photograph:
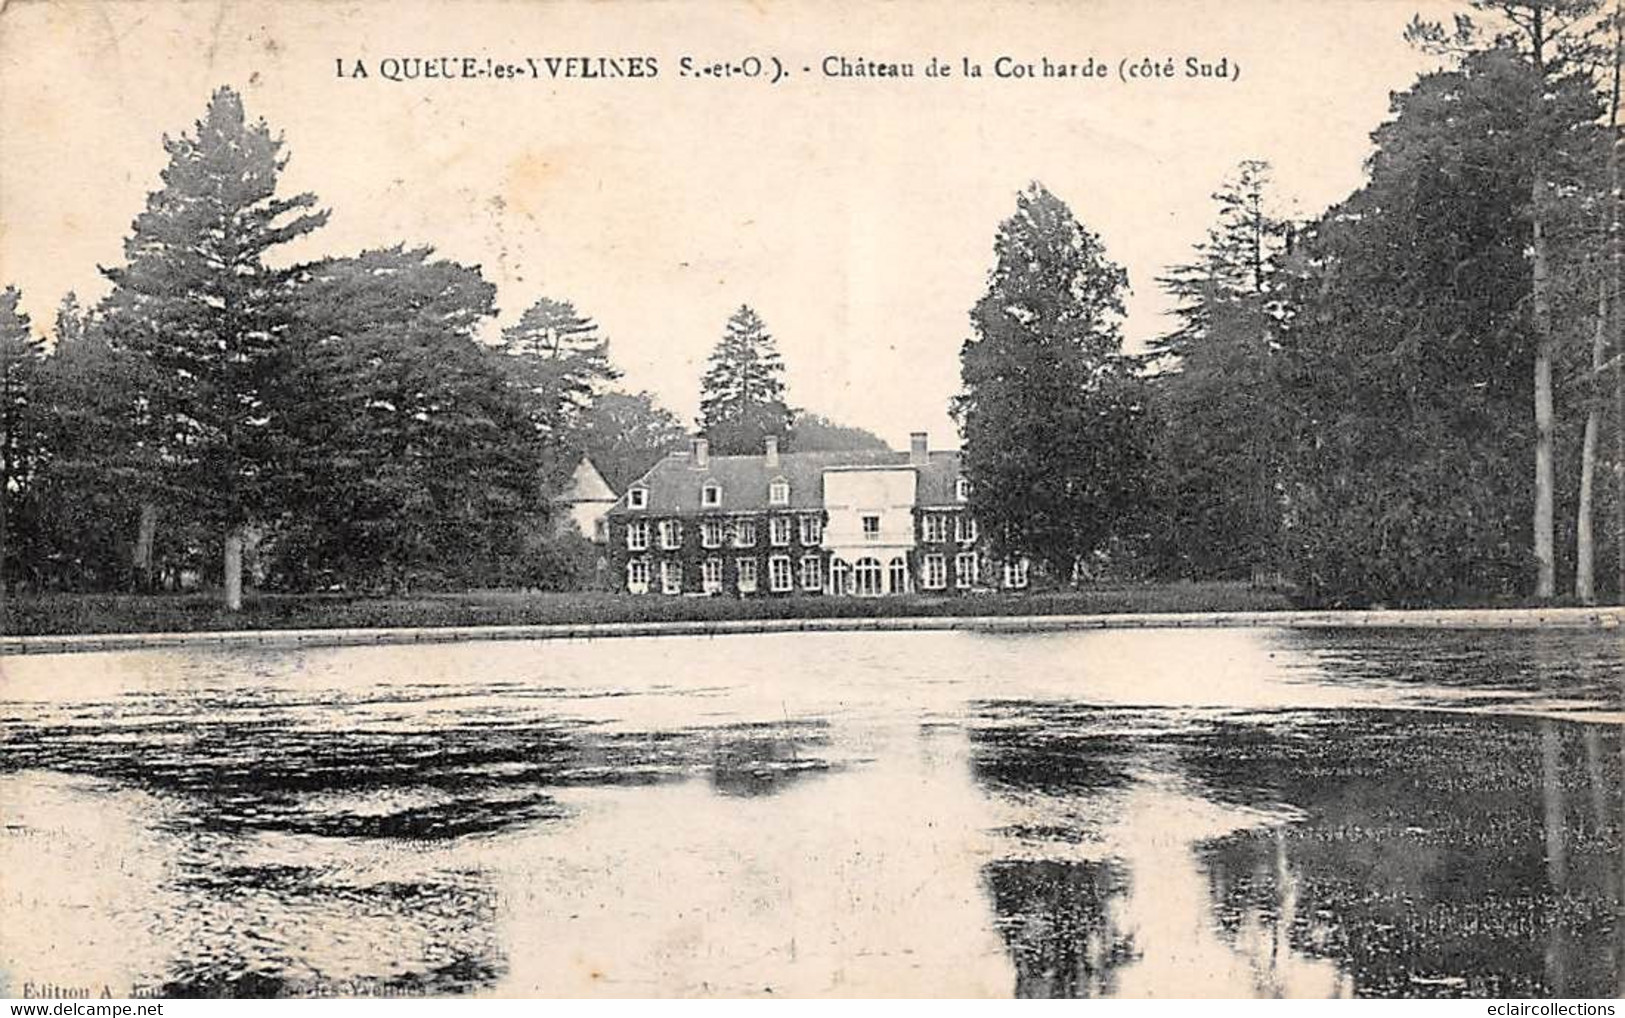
(55, 614)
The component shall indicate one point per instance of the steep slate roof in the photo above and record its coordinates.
(674, 485)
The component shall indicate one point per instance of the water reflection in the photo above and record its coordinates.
(1207, 813)
(1383, 853)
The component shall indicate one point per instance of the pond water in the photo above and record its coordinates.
(1248, 812)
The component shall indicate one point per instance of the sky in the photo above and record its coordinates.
(856, 215)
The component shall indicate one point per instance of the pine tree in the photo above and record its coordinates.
(560, 362)
(1050, 413)
(742, 393)
(197, 300)
(1220, 447)
(1238, 261)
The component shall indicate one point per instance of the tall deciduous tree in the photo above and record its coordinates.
(1409, 349)
(408, 452)
(1051, 416)
(1605, 334)
(97, 511)
(1556, 40)
(817, 433)
(742, 393)
(21, 354)
(626, 434)
(197, 299)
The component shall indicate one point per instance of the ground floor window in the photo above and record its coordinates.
(898, 571)
(965, 569)
(637, 576)
(812, 577)
(1015, 574)
(778, 574)
(936, 572)
(747, 575)
(671, 577)
(711, 575)
(866, 577)
(840, 576)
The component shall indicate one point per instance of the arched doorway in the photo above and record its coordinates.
(868, 578)
(840, 576)
(898, 576)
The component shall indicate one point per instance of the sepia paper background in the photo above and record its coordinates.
(856, 216)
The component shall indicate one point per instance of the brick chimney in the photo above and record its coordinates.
(772, 451)
(699, 453)
(918, 449)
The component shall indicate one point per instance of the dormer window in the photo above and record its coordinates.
(711, 495)
(962, 490)
(637, 498)
(778, 493)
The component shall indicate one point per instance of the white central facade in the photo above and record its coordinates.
(870, 528)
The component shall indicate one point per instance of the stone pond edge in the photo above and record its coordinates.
(1457, 618)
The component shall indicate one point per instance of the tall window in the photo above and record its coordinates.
(711, 495)
(898, 575)
(778, 574)
(866, 577)
(962, 490)
(871, 528)
(637, 576)
(811, 574)
(778, 531)
(671, 577)
(936, 572)
(965, 529)
(936, 528)
(711, 533)
(744, 533)
(1015, 574)
(637, 498)
(778, 493)
(637, 535)
(840, 576)
(711, 575)
(812, 530)
(965, 569)
(746, 568)
(671, 534)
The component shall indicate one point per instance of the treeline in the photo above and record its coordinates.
(344, 423)
(1413, 398)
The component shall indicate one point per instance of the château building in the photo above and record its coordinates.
(870, 523)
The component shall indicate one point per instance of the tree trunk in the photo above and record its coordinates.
(1585, 584)
(234, 569)
(1541, 324)
(145, 536)
(1616, 256)
(1585, 524)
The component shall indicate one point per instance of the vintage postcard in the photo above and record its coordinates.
(1014, 498)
